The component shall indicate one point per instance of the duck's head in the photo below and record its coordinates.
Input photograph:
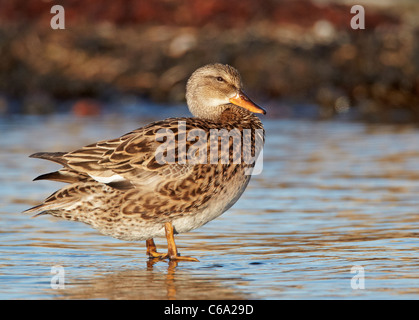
(213, 88)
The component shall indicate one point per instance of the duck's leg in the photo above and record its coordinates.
(171, 245)
(152, 250)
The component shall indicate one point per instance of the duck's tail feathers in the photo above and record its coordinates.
(64, 175)
(51, 156)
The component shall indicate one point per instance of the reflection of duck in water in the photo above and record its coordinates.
(119, 187)
(153, 283)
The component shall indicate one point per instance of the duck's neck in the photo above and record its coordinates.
(212, 113)
(241, 117)
(226, 114)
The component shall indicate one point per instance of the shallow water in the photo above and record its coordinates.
(331, 196)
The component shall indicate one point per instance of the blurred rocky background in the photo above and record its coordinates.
(298, 58)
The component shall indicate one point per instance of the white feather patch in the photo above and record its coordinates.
(114, 178)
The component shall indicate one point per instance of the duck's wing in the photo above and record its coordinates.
(133, 160)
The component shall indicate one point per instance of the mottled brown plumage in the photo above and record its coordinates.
(123, 189)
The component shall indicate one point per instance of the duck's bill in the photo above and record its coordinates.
(241, 100)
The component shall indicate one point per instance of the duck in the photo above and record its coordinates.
(152, 182)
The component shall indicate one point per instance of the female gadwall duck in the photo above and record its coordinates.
(164, 178)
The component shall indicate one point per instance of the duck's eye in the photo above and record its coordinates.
(220, 79)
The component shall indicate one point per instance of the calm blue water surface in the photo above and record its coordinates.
(331, 196)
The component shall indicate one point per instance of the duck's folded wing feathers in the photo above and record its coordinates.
(127, 162)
